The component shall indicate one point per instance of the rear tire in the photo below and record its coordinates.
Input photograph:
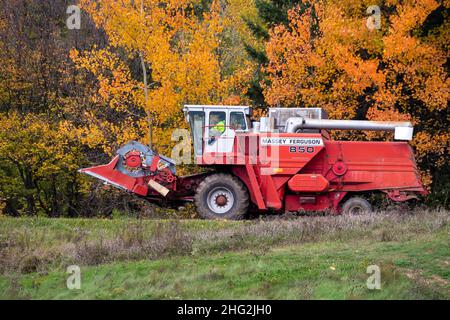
(221, 196)
(355, 206)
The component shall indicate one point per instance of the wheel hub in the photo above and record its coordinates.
(220, 200)
(356, 210)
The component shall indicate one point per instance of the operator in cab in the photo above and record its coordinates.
(217, 127)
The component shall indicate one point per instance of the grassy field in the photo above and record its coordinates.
(283, 258)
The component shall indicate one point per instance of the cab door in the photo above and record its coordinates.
(197, 123)
(219, 137)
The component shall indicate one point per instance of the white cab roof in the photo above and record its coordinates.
(187, 108)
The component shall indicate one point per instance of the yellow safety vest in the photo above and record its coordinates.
(220, 127)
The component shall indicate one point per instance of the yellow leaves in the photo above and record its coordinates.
(426, 178)
(31, 141)
(118, 108)
(420, 63)
(388, 74)
(165, 101)
(74, 54)
(235, 87)
(181, 52)
(237, 11)
(411, 14)
(307, 69)
(346, 61)
(438, 144)
(288, 52)
(435, 93)
(301, 64)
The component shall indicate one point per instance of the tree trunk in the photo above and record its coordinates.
(29, 190)
(144, 73)
(149, 119)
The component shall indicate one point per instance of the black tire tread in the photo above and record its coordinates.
(356, 201)
(240, 207)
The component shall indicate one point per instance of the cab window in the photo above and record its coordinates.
(217, 123)
(237, 121)
(197, 122)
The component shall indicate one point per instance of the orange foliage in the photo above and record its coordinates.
(181, 52)
(389, 74)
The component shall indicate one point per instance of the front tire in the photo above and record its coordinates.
(221, 196)
(355, 206)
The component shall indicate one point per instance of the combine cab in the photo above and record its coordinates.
(285, 162)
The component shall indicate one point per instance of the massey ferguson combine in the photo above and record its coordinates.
(284, 162)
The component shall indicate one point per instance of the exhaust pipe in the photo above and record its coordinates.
(403, 130)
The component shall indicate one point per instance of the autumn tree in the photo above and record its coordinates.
(181, 49)
(398, 72)
(38, 90)
(37, 160)
(91, 101)
(270, 13)
(70, 98)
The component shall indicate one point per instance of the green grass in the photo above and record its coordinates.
(52, 231)
(311, 271)
(244, 260)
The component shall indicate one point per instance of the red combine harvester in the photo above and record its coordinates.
(284, 162)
